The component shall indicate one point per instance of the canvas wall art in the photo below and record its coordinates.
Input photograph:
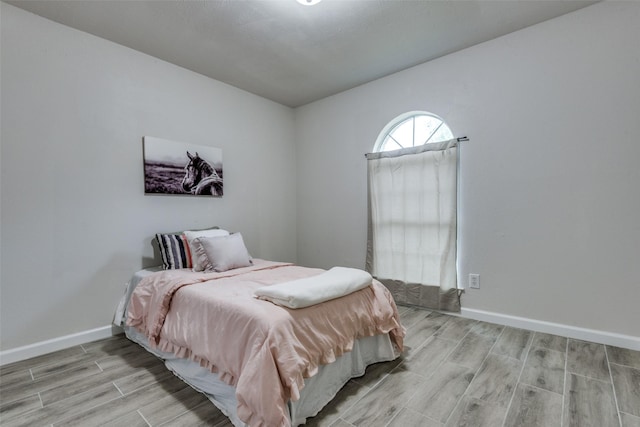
(172, 167)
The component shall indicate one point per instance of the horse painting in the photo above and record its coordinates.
(200, 177)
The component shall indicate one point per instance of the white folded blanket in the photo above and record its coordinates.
(334, 283)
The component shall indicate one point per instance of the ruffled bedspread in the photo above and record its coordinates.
(265, 351)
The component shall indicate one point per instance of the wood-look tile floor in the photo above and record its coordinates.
(454, 372)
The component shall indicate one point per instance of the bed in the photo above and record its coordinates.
(260, 363)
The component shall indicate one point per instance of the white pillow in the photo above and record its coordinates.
(192, 235)
(221, 253)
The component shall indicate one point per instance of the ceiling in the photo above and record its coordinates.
(295, 54)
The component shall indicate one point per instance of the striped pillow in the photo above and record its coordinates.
(174, 250)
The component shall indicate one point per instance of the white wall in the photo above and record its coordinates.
(550, 199)
(75, 221)
(550, 182)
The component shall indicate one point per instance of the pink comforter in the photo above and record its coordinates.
(265, 351)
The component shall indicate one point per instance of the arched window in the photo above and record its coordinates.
(412, 129)
(412, 186)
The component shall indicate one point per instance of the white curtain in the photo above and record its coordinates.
(412, 223)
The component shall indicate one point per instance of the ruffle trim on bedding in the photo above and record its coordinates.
(389, 326)
(293, 385)
(393, 328)
(185, 353)
(285, 381)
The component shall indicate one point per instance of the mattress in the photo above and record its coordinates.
(317, 391)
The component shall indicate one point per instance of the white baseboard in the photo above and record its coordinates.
(602, 337)
(55, 344)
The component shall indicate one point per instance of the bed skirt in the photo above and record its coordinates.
(317, 392)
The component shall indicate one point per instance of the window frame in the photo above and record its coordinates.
(400, 120)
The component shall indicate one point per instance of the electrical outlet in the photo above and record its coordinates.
(474, 281)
